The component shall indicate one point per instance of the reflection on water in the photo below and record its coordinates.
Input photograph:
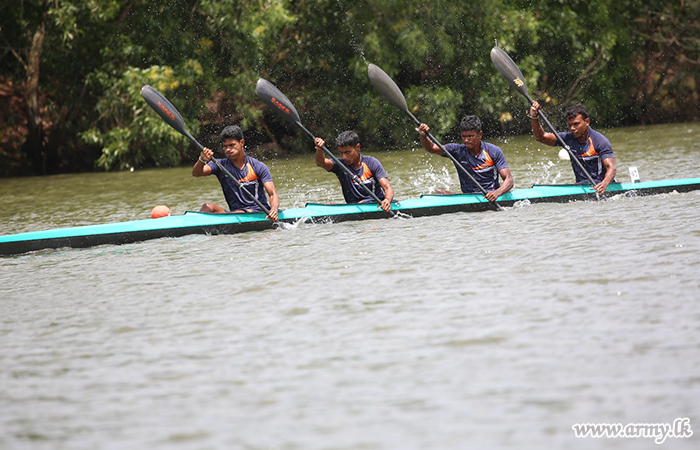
(469, 330)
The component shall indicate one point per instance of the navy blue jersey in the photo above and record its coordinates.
(252, 176)
(369, 173)
(484, 167)
(590, 153)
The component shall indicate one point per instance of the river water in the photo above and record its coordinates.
(470, 330)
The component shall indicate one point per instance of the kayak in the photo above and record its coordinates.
(208, 223)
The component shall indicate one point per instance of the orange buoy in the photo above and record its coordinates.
(160, 211)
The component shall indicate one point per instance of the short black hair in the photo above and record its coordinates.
(575, 110)
(470, 123)
(347, 138)
(231, 132)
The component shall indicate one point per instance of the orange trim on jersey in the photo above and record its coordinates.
(251, 176)
(487, 163)
(591, 151)
(366, 173)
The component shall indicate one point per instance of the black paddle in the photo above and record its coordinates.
(275, 99)
(386, 86)
(172, 117)
(514, 76)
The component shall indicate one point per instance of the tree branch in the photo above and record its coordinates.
(586, 72)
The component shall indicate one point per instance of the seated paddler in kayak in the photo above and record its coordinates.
(484, 161)
(252, 175)
(367, 169)
(590, 147)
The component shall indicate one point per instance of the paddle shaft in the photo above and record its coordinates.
(457, 163)
(172, 117)
(281, 105)
(388, 88)
(561, 142)
(510, 71)
(354, 177)
(230, 175)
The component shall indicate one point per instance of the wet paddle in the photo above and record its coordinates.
(280, 104)
(515, 78)
(386, 86)
(172, 117)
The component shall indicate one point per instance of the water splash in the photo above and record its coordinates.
(401, 216)
(292, 225)
(353, 38)
(357, 47)
(544, 172)
(429, 178)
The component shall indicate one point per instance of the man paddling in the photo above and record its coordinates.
(367, 168)
(591, 148)
(253, 176)
(484, 161)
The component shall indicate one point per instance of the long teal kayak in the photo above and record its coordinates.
(207, 223)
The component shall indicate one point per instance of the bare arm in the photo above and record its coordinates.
(610, 170)
(537, 130)
(388, 194)
(427, 144)
(274, 200)
(200, 168)
(321, 160)
(506, 186)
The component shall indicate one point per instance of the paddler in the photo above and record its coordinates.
(253, 175)
(367, 168)
(484, 161)
(591, 148)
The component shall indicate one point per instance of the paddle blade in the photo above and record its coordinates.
(386, 86)
(276, 100)
(509, 70)
(165, 109)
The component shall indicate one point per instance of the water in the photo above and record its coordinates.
(468, 330)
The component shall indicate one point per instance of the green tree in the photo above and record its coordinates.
(130, 133)
(666, 66)
(40, 36)
(152, 43)
(74, 70)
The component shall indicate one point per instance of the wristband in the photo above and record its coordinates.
(202, 161)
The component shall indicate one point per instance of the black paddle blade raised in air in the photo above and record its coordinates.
(386, 86)
(509, 70)
(165, 109)
(275, 99)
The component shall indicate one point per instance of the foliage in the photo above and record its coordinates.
(666, 71)
(127, 130)
(629, 61)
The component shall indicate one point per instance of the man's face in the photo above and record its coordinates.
(578, 126)
(472, 139)
(233, 148)
(350, 154)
